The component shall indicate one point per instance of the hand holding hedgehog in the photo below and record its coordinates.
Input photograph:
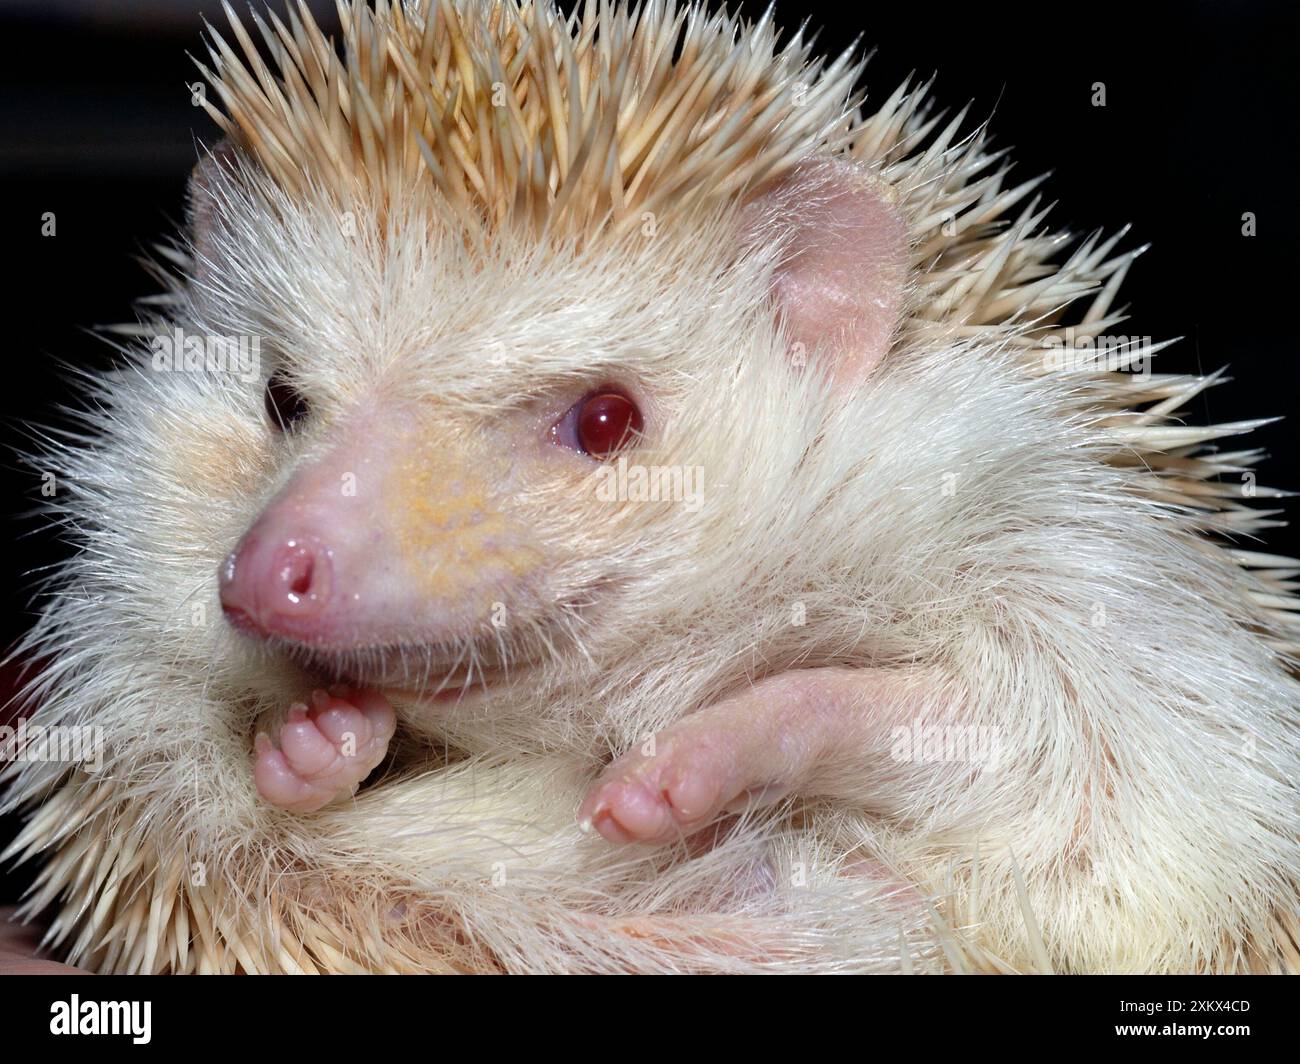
(502, 265)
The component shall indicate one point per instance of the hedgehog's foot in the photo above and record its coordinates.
(805, 732)
(325, 750)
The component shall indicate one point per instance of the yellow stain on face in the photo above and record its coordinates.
(452, 532)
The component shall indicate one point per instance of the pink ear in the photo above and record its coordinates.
(839, 287)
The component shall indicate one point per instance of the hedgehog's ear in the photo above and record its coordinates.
(839, 285)
(202, 202)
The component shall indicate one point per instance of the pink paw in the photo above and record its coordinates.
(325, 750)
(656, 797)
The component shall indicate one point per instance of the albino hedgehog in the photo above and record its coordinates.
(675, 527)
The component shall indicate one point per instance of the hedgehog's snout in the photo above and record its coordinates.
(393, 535)
(276, 583)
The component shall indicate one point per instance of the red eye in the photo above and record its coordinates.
(600, 425)
(606, 423)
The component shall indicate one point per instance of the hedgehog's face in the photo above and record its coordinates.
(436, 430)
(415, 543)
(477, 458)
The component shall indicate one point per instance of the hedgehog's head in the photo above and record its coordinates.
(474, 454)
(488, 426)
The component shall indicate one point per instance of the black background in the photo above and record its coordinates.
(96, 126)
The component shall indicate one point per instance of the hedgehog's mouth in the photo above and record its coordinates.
(414, 671)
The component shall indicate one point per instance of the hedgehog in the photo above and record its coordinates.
(595, 497)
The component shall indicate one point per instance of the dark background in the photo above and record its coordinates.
(96, 126)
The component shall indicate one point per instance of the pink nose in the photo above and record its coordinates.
(277, 584)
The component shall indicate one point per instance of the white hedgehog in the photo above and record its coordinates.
(732, 548)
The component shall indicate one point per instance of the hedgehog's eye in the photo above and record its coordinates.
(285, 405)
(601, 424)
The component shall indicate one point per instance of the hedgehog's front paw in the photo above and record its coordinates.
(325, 750)
(812, 732)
